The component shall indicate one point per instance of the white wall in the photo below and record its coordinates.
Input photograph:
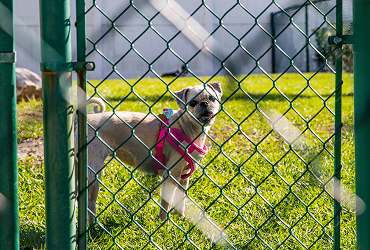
(150, 45)
(27, 34)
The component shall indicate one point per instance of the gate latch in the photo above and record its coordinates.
(71, 66)
(7, 57)
(344, 39)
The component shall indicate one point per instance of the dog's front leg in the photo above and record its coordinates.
(168, 189)
(180, 197)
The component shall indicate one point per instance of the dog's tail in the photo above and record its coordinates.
(98, 108)
(100, 104)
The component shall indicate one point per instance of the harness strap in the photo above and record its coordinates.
(159, 147)
(176, 137)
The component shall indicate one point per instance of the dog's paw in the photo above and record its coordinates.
(181, 214)
(162, 215)
(180, 209)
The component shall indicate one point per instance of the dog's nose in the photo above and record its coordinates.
(204, 104)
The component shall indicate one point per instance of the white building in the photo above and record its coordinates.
(252, 28)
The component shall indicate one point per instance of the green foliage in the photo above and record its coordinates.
(262, 191)
(326, 50)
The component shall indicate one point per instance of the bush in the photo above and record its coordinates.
(326, 50)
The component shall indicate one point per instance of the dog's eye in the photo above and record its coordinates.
(212, 98)
(193, 103)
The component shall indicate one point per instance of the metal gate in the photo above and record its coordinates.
(272, 178)
(305, 147)
(9, 222)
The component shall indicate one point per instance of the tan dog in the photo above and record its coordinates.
(121, 132)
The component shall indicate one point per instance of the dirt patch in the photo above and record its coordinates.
(31, 147)
(29, 114)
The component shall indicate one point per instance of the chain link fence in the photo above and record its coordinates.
(309, 19)
(268, 180)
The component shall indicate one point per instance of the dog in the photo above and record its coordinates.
(134, 139)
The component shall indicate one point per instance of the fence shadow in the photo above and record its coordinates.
(31, 238)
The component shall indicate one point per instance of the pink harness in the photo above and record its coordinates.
(176, 137)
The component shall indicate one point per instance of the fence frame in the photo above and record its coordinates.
(338, 126)
(59, 170)
(361, 9)
(56, 56)
(9, 222)
(81, 48)
(82, 128)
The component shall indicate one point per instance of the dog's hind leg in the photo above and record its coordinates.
(97, 154)
(93, 196)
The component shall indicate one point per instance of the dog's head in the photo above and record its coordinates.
(202, 101)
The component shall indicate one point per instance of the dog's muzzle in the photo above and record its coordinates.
(205, 116)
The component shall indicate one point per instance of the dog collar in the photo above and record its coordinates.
(179, 141)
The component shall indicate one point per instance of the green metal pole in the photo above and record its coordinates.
(273, 31)
(58, 124)
(361, 10)
(82, 127)
(307, 38)
(9, 223)
(338, 126)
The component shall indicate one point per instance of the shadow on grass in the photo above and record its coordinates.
(236, 96)
(97, 232)
(31, 238)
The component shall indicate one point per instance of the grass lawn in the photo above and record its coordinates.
(265, 186)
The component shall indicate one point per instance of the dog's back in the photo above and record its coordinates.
(131, 135)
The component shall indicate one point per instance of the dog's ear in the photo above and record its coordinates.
(216, 87)
(181, 97)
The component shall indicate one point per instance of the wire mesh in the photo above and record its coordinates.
(309, 19)
(268, 179)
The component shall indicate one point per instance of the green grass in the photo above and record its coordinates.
(262, 191)
(31, 178)
(31, 204)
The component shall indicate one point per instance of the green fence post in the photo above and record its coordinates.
(361, 10)
(82, 127)
(338, 126)
(58, 124)
(9, 224)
